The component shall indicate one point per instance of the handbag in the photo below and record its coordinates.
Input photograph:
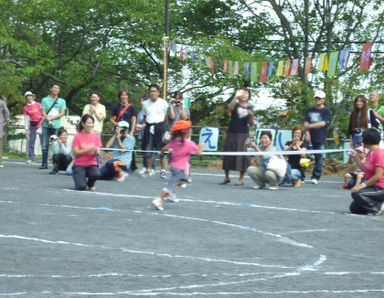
(34, 123)
(277, 165)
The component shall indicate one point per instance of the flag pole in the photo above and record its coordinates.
(165, 41)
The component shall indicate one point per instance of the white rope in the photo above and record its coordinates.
(249, 153)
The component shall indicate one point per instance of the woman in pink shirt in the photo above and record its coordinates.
(85, 148)
(180, 149)
(368, 197)
(32, 123)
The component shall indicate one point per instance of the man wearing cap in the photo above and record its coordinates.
(4, 118)
(376, 108)
(154, 112)
(53, 108)
(33, 120)
(316, 122)
(121, 160)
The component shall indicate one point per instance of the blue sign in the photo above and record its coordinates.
(209, 136)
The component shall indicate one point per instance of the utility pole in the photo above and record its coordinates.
(165, 41)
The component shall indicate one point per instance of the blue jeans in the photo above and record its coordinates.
(47, 132)
(31, 143)
(290, 176)
(316, 173)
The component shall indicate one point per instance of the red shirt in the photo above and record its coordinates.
(34, 113)
(82, 141)
(374, 159)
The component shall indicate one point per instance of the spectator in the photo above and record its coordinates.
(62, 152)
(33, 120)
(368, 197)
(4, 118)
(120, 163)
(154, 112)
(357, 177)
(85, 147)
(378, 109)
(316, 122)
(140, 127)
(53, 108)
(124, 111)
(295, 171)
(237, 134)
(261, 175)
(361, 118)
(176, 110)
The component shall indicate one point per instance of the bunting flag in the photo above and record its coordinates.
(230, 68)
(263, 72)
(213, 67)
(246, 69)
(323, 62)
(226, 66)
(343, 58)
(270, 69)
(280, 68)
(174, 47)
(308, 65)
(287, 67)
(193, 55)
(181, 54)
(170, 45)
(208, 61)
(295, 67)
(236, 68)
(365, 57)
(333, 64)
(254, 71)
(185, 54)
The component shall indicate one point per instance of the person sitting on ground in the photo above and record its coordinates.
(260, 174)
(85, 148)
(180, 149)
(120, 163)
(368, 197)
(62, 152)
(295, 171)
(357, 177)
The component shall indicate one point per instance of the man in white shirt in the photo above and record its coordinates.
(154, 112)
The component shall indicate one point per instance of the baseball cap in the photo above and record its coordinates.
(123, 124)
(181, 125)
(29, 93)
(361, 149)
(320, 94)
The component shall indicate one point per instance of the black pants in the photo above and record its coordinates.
(80, 174)
(367, 200)
(61, 161)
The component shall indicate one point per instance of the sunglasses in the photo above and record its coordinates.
(317, 98)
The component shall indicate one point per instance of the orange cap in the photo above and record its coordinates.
(181, 125)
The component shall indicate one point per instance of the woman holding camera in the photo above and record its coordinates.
(62, 152)
(237, 134)
(85, 148)
(361, 118)
(368, 197)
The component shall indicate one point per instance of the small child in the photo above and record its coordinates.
(180, 149)
(357, 177)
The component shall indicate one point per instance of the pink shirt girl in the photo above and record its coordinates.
(372, 160)
(181, 152)
(33, 112)
(83, 141)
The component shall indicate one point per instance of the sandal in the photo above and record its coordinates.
(226, 181)
(239, 184)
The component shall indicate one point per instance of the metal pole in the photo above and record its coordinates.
(165, 40)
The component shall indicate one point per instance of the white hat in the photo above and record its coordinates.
(29, 93)
(320, 94)
(123, 124)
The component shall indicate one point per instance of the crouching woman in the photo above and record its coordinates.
(85, 148)
(368, 197)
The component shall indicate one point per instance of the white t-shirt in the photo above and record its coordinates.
(155, 112)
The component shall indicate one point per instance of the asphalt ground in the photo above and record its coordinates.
(218, 241)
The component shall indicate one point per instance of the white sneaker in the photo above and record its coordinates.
(273, 187)
(151, 172)
(163, 174)
(92, 188)
(314, 181)
(157, 204)
(142, 171)
(121, 176)
(29, 162)
(258, 186)
(1, 166)
(172, 198)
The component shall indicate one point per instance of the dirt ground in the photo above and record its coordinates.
(331, 167)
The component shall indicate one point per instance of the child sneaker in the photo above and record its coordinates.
(172, 198)
(157, 204)
(163, 174)
(121, 176)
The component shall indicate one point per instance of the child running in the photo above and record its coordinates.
(180, 149)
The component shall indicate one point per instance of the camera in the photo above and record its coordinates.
(357, 131)
(53, 138)
(176, 101)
